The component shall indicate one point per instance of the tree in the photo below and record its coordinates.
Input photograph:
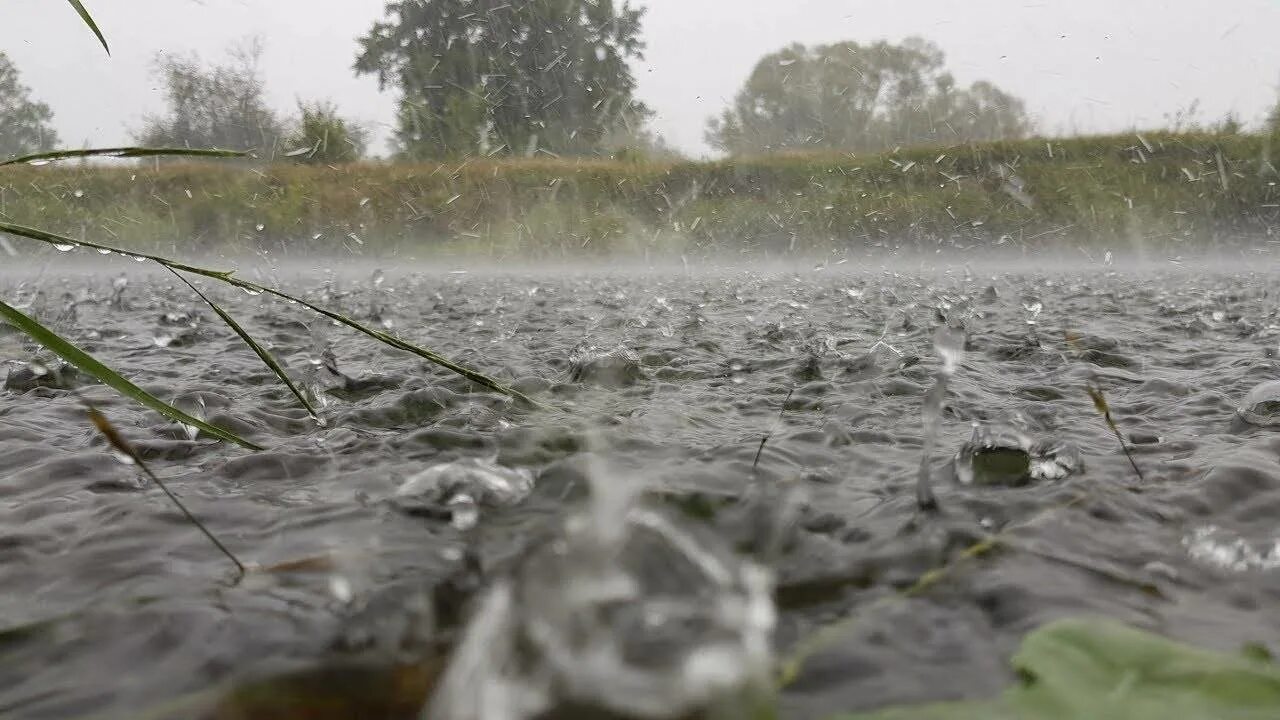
(506, 76)
(863, 98)
(324, 137)
(221, 106)
(24, 123)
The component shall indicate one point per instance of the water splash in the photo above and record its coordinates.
(1261, 406)
(624, 613)
(948, 343)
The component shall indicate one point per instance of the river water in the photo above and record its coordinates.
(111, 605)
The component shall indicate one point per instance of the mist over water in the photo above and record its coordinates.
(660, 378)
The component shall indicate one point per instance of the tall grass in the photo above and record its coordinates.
(1105, 191)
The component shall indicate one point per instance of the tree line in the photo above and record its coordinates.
(554, 77)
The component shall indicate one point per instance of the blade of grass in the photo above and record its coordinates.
(226, 276)
(109, 377)
(261, 352)
(88, 20)
(1100, 404)
(124, 152)
(118, 442)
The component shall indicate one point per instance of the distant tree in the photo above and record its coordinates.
(324, 137)
(24, 123)
(862, 98)
(219, 106)
(498, 76)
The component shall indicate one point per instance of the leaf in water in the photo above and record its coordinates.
(1080, 669)
(88, 20)
(123, 152)
(109, 377)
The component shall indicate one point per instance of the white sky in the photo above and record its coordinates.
(1081, 65)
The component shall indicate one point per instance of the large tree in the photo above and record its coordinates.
(222, 106)
(24, 123)
(863, 98)
(506, 76)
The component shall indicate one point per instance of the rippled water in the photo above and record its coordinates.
(111, 604)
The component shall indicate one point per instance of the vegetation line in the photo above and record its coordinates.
(123, 152)
(88, 20)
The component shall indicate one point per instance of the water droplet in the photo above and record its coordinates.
(64, 247)
(38, 368)
(121, 457)
(103, 251)
(464, 514)
(340, 588)
(253, 292)
(79, 193)
(259, 227)
(139, 258)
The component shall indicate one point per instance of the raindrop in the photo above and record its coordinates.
(103, 251)
(259, 227)
(251, 291)
(64, 247)
(79, 193)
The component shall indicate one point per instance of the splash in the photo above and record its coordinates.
(624, 613)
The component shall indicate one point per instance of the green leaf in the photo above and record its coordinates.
(88, 20)
(262, 353)
(109, 377)
(125, 152)
(1081, 669)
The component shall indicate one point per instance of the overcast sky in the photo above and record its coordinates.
(1081, 65)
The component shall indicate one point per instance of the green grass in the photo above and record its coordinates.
(1101, 191)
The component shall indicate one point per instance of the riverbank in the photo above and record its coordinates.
(1155, 191)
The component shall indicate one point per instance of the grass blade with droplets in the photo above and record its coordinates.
(226, 276)
(109, 377)
(261, 352)
(118, 442)
(124, 152)
(88, 20)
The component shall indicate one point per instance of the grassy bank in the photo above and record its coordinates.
(1112, 192)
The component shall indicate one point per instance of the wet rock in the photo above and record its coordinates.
(1001, 454)
(617, 367)
(1261, 406)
